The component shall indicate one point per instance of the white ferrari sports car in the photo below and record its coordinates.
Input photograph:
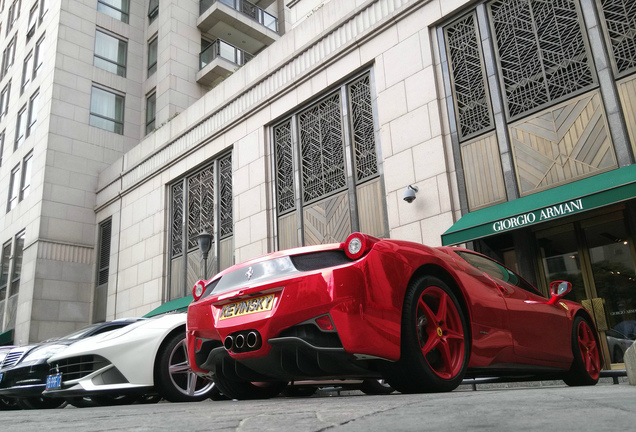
(145, 358)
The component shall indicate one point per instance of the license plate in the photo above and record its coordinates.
(247, 306)
(54, 382)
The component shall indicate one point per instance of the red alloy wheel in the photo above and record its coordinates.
(589, 350)
(440, 332)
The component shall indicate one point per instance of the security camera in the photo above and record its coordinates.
(409, 193)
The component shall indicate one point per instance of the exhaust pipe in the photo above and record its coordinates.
(252, 339)
(228, 342)
(239, 342)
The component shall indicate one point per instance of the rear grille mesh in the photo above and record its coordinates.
(320, 260)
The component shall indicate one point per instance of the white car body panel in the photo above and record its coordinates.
(132, 350)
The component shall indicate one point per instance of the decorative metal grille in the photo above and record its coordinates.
(226, 223)
(200, 204)
(177, 219)
(284, 167)
(472, 105)
(104, 252)
(363, 130)
(620, 27)
(542, 53)
(322, 149)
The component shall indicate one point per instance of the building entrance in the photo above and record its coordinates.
(597, 255)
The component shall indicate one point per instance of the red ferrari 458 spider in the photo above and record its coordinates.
(422, 318)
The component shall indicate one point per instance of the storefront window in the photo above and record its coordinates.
(614, 276)
(560, 259)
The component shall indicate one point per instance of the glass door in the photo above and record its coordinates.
(561, 259)
(597, 255)
(613, 271)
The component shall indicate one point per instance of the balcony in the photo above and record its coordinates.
(239, 22)
(218, 60)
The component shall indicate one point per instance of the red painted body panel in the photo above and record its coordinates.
(364, 299)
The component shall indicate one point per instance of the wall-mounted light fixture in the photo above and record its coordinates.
(204, 239)
(409, 193)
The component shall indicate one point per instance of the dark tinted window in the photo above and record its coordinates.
(494, 269)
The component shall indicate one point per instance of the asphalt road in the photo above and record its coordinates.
(555, 408)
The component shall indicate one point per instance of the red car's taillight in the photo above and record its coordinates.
(358, 244)
(198, 290)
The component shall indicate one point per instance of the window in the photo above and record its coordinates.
(44, 9)
(541, 52)
(110, 53)
(151, 109)
(4, 276)
(103, 259)
(619, 17)
(13, 14)
(193, 200)
(14, 187)
(107, 110)
(10, 280)
(332, 175)
(33, 111)
(20, 127)
(25, 186)
(4, 100)
(152, 56)
(496, 270)
(1, 146)
(8, 56)
(37, 57)
(5, 262)
(17, 265)
(27, 71)
(32, 21)
(153, 10)
(117, 9)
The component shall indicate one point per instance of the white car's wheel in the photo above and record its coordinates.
(174, 377)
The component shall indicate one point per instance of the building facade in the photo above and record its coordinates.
(283, 123)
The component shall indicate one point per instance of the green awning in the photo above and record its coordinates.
(590, 193)
(178, 305)
(6, 338)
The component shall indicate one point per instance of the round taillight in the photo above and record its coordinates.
(197, 291)
(356, 245)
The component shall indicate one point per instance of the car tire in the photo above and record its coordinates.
(7, 404)
(297, 391)
(216, 394)
(619, 355)
(40, 403)
(376, 387)
(586, 365)
(148, 399)
(245, 390)
(435, 340)
(174, 378)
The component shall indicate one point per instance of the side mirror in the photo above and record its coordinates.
(558, 290)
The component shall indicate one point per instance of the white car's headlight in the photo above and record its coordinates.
(44, 352)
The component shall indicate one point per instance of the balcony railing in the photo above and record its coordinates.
(246, 8)
(222, 49)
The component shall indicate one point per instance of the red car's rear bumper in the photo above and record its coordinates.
(356, 296)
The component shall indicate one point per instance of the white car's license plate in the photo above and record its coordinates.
(54, 382)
